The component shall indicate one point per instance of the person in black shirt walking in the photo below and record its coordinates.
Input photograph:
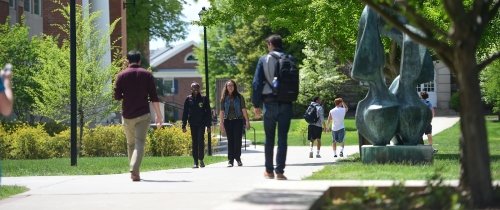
(197, 113)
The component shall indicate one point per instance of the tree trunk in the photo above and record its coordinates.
(475, 158)
(80, 112)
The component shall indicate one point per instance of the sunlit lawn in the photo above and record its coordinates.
(446, 161)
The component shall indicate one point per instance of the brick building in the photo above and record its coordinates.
(40, 17)
(175, 70)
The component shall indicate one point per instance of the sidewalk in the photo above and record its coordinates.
(212, 187)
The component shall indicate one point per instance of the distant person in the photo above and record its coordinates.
(428, 130)
(197, 113)
(6, 95)
(337, 116)
(275, 113)
(135, 87)
(315, 129)
(233, 117)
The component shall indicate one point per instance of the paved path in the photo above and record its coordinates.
(213, 187)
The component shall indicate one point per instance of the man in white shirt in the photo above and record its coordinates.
(337, 115)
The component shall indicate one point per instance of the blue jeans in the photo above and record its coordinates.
(280, 113)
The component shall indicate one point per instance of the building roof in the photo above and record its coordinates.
(162, 55)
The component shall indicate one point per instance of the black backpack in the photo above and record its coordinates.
(311, 115)
(288, 78)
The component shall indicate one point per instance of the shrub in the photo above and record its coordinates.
(4, 144)
(104, 141)
(59, 145)
(455, 101)
(27, 142)
(168, 141)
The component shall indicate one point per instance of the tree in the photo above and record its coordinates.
(221, 56)
(17, 48)
(95, 101)
(457, 46)
(319, 75)
(490, 83)
(156, 19)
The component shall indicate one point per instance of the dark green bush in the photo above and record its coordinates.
(455, 101)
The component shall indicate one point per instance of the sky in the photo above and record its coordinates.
(190, 13)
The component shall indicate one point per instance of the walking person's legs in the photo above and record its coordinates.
(238, 134)
(194, 144)
(270, 115)
(229, 128)
(284, 118)
(135, 132)
(201, 145)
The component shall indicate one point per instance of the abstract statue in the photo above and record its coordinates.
(396, 111)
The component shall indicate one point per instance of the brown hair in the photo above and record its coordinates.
(424, 95)
(225, 92)
(338, 101)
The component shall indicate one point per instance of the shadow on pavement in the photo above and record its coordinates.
(276, 196)
(159, 181)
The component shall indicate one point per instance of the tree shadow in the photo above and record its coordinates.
(275, 197)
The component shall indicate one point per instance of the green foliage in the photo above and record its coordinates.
(58, 146)
(435, 195)
(156, 19)
(490, 85)
(27, 142)
(93, 91)
(455, 101)
(104, 141)
(319, 76)
(17, 48)
(4, 146)
(330, 23)
(9, 190)
(168, 141)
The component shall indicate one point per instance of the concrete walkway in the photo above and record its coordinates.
(212, 187)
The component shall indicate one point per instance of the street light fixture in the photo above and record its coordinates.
(209, 132)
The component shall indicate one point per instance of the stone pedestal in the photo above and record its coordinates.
(419, 154)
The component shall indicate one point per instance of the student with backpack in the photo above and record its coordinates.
(275, 86)
(337, 115)
(314, 116)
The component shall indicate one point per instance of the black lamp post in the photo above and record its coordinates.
(73, 106)
(207, 90)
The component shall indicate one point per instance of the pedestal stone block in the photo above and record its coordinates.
(418, 154)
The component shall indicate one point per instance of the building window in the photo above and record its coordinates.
(36, 7)
(190, 58)
(11, 3)
(427, 87)
(168, 84)
(27, 5)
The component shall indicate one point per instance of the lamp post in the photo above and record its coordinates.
(73, 99)
(207, 90)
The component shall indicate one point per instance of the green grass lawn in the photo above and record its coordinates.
(298, 133)
(95, 165)
(446, 161)
(9, 190)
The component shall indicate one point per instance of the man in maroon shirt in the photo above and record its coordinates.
(135, 87)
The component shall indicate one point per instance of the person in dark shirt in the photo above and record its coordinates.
(197, 113)
(135, 87)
